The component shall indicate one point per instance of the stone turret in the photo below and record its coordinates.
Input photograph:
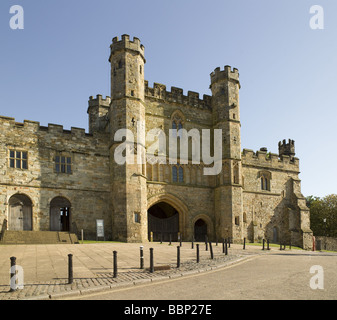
(128, 180)
(225, 87)
(286, 149)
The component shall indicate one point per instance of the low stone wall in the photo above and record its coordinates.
(325, 243)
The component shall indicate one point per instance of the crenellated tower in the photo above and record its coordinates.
(127, 111)
(287, 149)
(225, 87)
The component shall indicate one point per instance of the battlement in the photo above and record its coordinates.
(287, 149)
(99, 101)
(176, 95)
(35, 127)
(126, 44)
(262, 158)
(226, 74)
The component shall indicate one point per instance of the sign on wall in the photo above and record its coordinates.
(100, 228)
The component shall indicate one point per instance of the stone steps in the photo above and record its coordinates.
(38, 237)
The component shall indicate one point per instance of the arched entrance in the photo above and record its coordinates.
(163, 221)
(20, 213)
(200, 230)
(60, 214)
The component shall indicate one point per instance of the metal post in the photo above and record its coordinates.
(216, 241)
(115, 264)
(198, 253)
(178, 256)
(206, 244)
(151, 261)
(226, 251)
(263, 244)
(244, 243)
(211, 250)
(70, 269)
(141, 257)
(206, 239)
(180, 242)
(223, 245)
(82, 235)
(13, 273)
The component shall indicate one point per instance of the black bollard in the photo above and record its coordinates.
(263, 244)
(180, 242)
(223, 245)
(13, 273)
(198, 253)
(141, 257)
(226, 250)
(268, 245)
(244, 243)
(211, 250)
(206, 246)
(178, 256)
(206, 239)
(151, 261)
(70, 269)
(229, 242)
(115, 263)
(216, 241)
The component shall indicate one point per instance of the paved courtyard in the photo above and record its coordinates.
(45, 267)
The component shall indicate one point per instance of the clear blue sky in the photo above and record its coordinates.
(288, 71)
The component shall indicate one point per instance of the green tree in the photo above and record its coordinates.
(323, 215)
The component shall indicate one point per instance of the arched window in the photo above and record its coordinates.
(177, 174)
(178, 120)
(181, 174)
(265, 178)
(174, 174)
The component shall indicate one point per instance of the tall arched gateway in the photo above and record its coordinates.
(20, 213)
(163, 221)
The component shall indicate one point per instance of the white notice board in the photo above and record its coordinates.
(99, 228)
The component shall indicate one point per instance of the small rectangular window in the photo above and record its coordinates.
(63, 164)
(18, 159)
(137, 217)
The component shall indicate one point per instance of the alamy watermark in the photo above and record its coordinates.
(317, 281)
(157, 150)
(17, 19)
(317, 20)
(16, 279)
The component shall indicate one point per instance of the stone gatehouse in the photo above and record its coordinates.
(64, 180)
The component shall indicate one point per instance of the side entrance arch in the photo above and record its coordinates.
(60, 214)
(20, 213)
(200, 230)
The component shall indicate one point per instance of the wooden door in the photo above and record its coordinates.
(55, 219)
(16, 217)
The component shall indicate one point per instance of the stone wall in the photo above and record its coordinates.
(86, 187)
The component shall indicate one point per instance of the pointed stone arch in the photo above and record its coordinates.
(176, 203)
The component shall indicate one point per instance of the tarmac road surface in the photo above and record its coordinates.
(289, 275)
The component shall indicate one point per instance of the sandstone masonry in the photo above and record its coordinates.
(64, 180)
